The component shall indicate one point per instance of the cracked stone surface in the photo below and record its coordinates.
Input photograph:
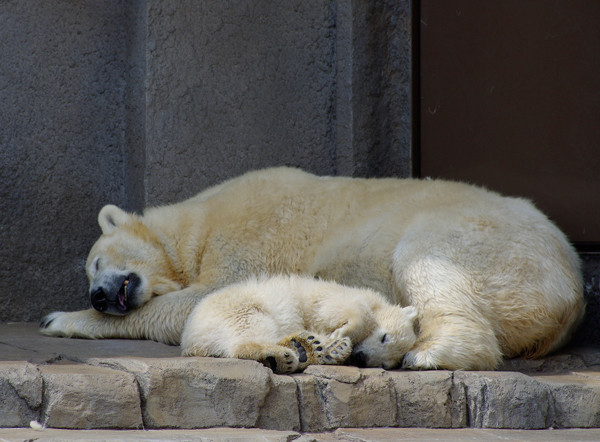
(128, 384)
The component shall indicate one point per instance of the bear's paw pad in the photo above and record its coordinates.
(314, 349)
(281, 360)
(337, 351)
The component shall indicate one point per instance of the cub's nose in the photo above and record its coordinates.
(99, 301)
(359, 359)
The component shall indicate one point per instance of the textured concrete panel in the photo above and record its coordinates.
(233, 86)
(374, 80)
(61, 89)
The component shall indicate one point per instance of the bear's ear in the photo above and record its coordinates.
(111, 217)
(410, 312)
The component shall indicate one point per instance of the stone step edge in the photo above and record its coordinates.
(207, 392)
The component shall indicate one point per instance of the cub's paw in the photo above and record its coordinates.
(419, 360)
(281, 360)
(314, 349)
(337, 351)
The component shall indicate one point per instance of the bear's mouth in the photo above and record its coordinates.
(126, 292)
(122, 295)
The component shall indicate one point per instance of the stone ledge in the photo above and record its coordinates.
(115, 389)
(83, 396)
(343, 434)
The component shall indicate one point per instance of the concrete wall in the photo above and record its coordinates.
(146, 102)
(62, 80)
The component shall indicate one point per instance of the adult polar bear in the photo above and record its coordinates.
(491, 276)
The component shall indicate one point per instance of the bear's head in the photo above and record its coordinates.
(391, 339)
(128, 265)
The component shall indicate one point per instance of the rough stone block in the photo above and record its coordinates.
(575, 398)
(504, 400)
(346, 374)
(82, 396)
(429, 399)
(197, 392)
(280, 410)
(333, 397)
(312, 409)
(20, 394)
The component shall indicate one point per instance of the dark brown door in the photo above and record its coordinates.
(510, 99)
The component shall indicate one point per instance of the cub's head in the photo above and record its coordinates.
(128, 264)
(393, 337)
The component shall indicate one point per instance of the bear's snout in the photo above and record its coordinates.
(358, 358)
(114, 293)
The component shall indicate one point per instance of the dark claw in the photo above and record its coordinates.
(44, 323)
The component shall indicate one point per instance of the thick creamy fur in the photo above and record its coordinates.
(490, 276)
(249, 320)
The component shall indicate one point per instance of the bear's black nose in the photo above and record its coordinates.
(99, 301)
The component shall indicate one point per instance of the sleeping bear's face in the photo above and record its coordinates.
(127, 266)
(393, 337)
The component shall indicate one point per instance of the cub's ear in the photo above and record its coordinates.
(111, 217)
(410, 312)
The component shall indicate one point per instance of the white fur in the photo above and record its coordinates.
(259, 313)
(490, 276)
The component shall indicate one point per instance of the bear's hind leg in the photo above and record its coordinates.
(453, 342)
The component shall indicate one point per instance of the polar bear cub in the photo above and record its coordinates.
(290, 322)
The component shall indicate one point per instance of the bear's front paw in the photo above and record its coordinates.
(66, 324)
(50, 324)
